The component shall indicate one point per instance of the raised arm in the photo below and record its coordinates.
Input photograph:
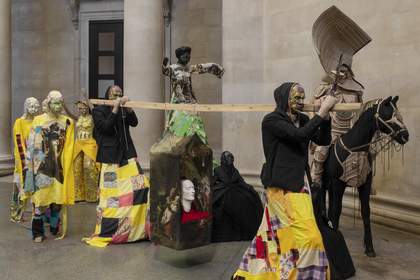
(104, 124)
(211, 68)
(285, 130)
(70, 113)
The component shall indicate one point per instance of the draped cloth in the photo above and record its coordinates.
(237, 207)
(49, 177)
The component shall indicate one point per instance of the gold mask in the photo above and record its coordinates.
(296, 98)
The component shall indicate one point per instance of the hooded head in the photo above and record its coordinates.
(289, 97)
(113, 92)
(226, 161)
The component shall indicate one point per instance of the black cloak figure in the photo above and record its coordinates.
(237, 207)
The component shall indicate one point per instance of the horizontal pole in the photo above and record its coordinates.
(220, 107)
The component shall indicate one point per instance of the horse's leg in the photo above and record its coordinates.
(364, 194)
(336, 190)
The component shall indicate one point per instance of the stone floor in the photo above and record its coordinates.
(398, 254)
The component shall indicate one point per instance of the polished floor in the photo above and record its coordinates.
(21, 259)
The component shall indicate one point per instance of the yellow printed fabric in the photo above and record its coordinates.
(122, 213)
(288, 244)
(86, 170)
(21, 131)
(49, 157)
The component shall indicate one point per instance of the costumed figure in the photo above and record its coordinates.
(122, 212)
(288, 244)
(86, 169)
(337, 39)
(21, 131)
(49, 177)
(183, 123)
(237, 207)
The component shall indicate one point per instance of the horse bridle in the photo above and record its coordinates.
(395, 119)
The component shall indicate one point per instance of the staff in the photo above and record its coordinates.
(221, 107)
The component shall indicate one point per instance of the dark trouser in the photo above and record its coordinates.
(41, 214)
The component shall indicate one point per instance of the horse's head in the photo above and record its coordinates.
(389, 120)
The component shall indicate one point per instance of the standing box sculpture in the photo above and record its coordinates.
(180, 194)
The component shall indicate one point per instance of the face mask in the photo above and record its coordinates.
(296, 98)
(56, 106)
(83, 109)
(114, 93)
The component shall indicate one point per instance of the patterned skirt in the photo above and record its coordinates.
(288, 244)
(123, 211)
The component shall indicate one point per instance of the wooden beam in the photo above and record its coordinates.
(220, 107)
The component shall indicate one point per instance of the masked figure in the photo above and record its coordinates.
(86, 169)
(122, 212)
(335, 35)
(182, 123)
(49, 170)
(21, 131)
(237, 207)
(288, 244)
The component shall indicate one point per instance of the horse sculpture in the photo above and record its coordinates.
(349, 161)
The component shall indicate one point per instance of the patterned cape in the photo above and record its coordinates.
(49, 177)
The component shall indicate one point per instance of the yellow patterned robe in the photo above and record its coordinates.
(49, 177)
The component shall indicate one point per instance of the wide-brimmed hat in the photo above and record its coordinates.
(335, 34)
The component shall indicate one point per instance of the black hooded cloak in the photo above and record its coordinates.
(237, 207)
(286, 146)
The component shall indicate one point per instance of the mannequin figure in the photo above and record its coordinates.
(21, 130)
(188, 195)
(189, 212)
(182, 123)
(86, 169)
(49, 170)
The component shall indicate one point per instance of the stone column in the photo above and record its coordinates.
(6, 159)
(143, 80)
